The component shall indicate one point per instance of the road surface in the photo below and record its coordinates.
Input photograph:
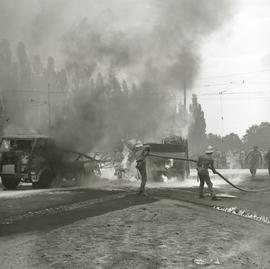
(112, 227)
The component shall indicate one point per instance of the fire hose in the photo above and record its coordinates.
(219, 174)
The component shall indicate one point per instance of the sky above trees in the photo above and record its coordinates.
(236, 59)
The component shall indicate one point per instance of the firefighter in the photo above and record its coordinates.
(267, 160)
(254, 159)
(141, 153)
(204, 163)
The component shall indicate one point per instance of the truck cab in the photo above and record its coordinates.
(25, 158)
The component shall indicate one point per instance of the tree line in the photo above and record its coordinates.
(258, 134)
(18, 72)
(98, 107)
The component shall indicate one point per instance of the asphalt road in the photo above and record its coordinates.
(42, 212)
(27, 210)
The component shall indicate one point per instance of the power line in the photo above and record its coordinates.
(235, 74)
(243, 82)
(231, 93)
(239, 98)
(218, 84)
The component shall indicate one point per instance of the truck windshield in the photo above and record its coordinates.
(16, 144)
(5, 145)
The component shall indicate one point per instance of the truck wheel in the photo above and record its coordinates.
(35, 185)
(45, 179)
(10, 183)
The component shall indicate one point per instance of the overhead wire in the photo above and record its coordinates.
(232, 93)
(233, 74)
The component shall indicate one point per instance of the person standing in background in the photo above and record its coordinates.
(254, 159)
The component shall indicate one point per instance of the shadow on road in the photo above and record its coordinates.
(45, 223)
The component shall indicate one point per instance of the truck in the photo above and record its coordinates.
(38, 160)
(171, 147)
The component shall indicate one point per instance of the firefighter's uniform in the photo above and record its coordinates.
(140, 154)
(204, 163)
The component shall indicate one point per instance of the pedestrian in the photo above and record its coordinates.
(141, 153)
(254, 160)
(267, 160)
(204, 163)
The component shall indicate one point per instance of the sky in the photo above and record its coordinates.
(236, 61)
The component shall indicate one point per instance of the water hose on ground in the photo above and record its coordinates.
(219, 174)
(241, 189)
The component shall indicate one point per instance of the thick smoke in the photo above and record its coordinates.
(153, 39)
(153, 45)
(139, 36)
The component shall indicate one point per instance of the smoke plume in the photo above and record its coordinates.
(125, 60)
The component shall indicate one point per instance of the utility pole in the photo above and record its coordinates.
(49, 106)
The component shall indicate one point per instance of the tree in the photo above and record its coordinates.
(24, 67)
(227, 143)
(100, 82)
(215, 141)
(51, 74)
(114, 85)
(62, 81)
(5, 65)
(37, 66)
(232, 142)
(258, 135)
(125, 86)
(197, 129)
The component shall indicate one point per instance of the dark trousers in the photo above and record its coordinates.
(253, 168)
(204, 178)
(141, 166)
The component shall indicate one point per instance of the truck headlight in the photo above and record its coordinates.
(33, 177)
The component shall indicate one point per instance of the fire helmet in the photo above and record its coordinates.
(209, 150)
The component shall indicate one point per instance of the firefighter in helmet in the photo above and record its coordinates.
(204, 163)
(141, 153)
